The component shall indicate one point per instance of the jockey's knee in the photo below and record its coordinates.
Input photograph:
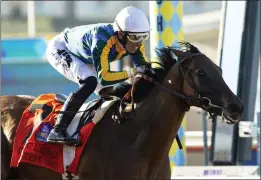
(87, 86)
(105, 92)
(118, 90)
(91, 80)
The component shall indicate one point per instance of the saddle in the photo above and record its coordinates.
(125, 110)
(91, 111)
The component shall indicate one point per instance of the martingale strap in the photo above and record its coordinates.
(131, 114)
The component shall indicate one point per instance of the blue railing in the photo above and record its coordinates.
(24, 70)
(23, 50)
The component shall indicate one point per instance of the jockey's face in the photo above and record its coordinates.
(130, 46)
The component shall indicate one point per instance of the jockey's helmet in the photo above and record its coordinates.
(132, 22)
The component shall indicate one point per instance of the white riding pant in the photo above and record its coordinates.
(67, 64)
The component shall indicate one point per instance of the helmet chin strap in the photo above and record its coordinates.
(123, 41)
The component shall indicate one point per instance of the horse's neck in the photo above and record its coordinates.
(160, 118)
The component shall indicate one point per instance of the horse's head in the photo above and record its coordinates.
(203, 85)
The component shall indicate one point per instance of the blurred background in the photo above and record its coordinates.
(25, 71)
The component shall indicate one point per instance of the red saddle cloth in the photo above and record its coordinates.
(30, 144)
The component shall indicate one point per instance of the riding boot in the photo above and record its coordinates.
(68, 111)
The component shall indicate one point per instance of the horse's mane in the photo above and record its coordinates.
(166, 58)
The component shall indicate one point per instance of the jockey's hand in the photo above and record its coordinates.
(145, 69)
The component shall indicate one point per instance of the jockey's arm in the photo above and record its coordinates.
(100, 53)
(139, 58)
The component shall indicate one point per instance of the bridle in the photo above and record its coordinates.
(198, 100)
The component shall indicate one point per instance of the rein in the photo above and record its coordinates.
(202, 102)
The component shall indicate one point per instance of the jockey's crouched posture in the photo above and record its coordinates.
(83, 54)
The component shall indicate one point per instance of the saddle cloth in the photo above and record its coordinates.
(30, 145)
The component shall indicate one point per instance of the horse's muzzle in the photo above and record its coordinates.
(233, 111)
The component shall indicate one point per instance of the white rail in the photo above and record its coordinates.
(195, 138)
(31, 19)
(216, 172)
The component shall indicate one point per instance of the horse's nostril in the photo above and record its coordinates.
(234, 108)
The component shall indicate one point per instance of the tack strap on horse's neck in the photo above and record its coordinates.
(175, 93)
(190, 100)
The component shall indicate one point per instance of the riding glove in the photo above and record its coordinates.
(145, 69)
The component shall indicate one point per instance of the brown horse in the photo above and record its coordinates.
(138, 148)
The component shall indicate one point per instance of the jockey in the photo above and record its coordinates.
(83, 55)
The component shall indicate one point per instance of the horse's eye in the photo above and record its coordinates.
(201, 72)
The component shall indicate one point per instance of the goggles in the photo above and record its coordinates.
(135, 37)
(138, 37)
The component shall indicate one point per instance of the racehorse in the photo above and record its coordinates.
(138, 148)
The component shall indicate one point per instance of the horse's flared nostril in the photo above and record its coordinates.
(235, 108)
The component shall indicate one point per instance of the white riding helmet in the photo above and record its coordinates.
(131, 19)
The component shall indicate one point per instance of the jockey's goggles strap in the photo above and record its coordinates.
(137, 37)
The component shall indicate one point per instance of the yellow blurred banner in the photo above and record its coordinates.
(166, 25)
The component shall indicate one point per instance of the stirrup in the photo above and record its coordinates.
(65, 140)
(128, 114)
(72, 142)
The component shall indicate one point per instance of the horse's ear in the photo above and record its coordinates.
(194, 49)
